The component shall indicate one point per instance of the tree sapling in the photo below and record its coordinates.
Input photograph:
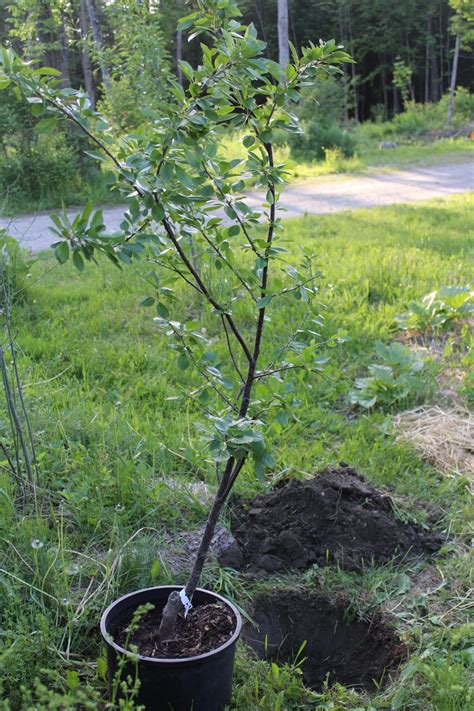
(188, 216)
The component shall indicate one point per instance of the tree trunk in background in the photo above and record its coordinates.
(259, 17)
(353, 69)
(85, 58)
(435, 93)
(179, 53)
(54, 41)
(63, 52)
(294, 38)
(427, 60)
(454, 72)
(441, 50)
(283, 48)
(97, 35)
(396, 105)
(384, 88)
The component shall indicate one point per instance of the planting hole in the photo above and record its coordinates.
(339, 647)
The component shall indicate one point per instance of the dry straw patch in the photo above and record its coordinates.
(444, 437)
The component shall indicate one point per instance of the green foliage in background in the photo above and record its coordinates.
(317, 139)
(15, 269)
(139, 63)
(438, 310)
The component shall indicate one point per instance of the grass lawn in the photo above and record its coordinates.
(120, 456)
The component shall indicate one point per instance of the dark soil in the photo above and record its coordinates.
(206, 627)
(352, 652)
(335, 517)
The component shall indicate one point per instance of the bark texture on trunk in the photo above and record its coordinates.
(179, 53)
(98, 41)
(283, 48)
(55, 42)
(85, 57)
(454, 72)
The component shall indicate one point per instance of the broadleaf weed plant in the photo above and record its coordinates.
(187, 216)
(438, 311)
(399, 377)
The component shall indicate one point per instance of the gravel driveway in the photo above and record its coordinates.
(317, 196)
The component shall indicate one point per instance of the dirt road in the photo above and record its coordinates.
(318, 196)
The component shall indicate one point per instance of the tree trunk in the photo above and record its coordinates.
(435, 93)
(54, 41)
(84, 54)
(179, 53)
(384, 88)
(427, 60)
(292, 27)
(396, 106)
(63, 53)
(441, 50)
(98, 41)
(353, 69)
(454, 73)
(259, 16)
(283, 48)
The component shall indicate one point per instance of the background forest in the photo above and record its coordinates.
(408, 54)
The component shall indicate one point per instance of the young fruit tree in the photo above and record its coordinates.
(188, 217)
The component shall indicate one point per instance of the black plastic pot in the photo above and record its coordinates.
(201, 683)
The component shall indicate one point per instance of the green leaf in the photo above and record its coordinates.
(187, 70)
(183, 361)
(47, 71)
(262, 303)
(162, 310)
(157, 213)
(148, 301)
(46, 125)
(78, 261)
(72, 679)
(61, 252)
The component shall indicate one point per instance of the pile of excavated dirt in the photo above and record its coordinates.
(337, 647)
(336, 517)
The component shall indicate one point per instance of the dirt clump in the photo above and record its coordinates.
(338, 647)
(336, 517)
(205, 628)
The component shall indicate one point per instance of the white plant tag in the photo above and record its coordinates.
(186, 602)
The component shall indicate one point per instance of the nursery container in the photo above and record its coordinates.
(200, 683)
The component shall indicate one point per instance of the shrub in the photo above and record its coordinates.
(438, 310)
(397, 378)
(317, 139)
(419, 119)
(326, 101)
(45, 170)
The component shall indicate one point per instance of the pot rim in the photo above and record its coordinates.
(167, 660)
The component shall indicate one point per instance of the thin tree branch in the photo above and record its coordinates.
(228, 202)
(226, 262)
(171, 234)
(229, 348)
(203, 374)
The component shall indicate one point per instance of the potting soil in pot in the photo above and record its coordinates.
(338, 647)
(205, 628)
(336, 517)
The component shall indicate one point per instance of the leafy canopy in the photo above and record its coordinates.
(188, 217)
